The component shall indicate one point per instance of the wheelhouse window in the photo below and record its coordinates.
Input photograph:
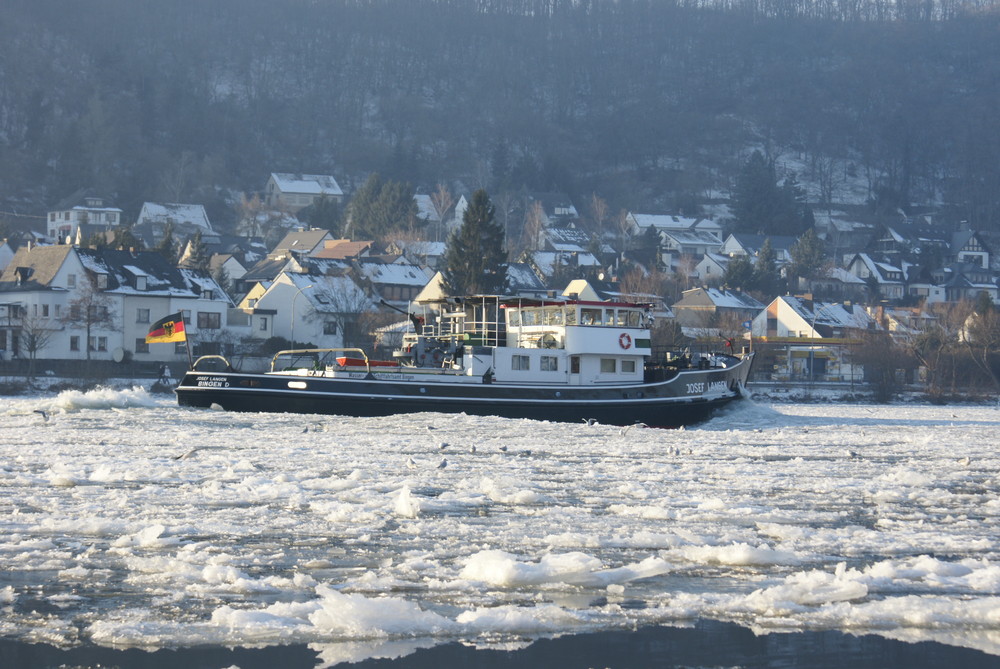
(550, 363)
(520, 362)
(608, 365)
(590, 316)
(628, 366)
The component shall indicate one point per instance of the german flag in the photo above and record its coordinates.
(167, 329)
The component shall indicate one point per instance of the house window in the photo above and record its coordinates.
(330, 328)
(52, 216)
(141, 346)
(208, 320)
(251, 303)
(142, 315)
(628, 366)
(74, 343)
(97, 312)
(58, 310)
(71, 281)
(608, 365)
(102, 281)
(263, 323)
(187, 316)
(98, 344)
(45, 311)
(520, 362)
(550, 363)
(180, 347)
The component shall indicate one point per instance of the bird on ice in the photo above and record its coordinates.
(443, 464)
(42, 413)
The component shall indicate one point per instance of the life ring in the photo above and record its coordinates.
(625, 340)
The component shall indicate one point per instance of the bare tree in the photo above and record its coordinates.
(599, 211)
(36, 333)
(534, 224)
(90, 310)
(443, 202)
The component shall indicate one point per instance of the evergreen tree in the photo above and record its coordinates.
(739, 273)
(765, 270)
(761, 206)
(475, 261)
(359, 210)
(324, 213)
(167, 246)
(808, 256)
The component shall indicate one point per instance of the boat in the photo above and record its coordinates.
(564, 360)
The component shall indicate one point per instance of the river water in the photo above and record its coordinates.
(134, 528)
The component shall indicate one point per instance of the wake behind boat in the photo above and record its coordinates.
(557, 360)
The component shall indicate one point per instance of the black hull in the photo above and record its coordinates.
(687, 398)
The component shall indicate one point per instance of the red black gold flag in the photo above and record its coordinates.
(167, 329)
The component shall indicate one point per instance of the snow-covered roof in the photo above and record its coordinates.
(394, 273)
(174, 213)
(831, 314)
(307, 184)
(426, 208)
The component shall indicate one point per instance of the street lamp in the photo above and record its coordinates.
(295, 297)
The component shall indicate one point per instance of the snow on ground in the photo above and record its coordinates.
(129, 522)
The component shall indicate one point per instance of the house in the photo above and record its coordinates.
(637, 224)
(712, 268)
(180, 216)
(395, 282)
(833, 326)
(100, 303)
(344, 249)
(81, 208)
(419, 252)
(426, 210)
(836, 283)
(742, 244)
(318, 310)
(303, 242)
(887, 279)
(970, 247)
(555, 267)
(694, 243)
(701, 307)
(293, 192)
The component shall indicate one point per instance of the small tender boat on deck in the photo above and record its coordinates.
(557, 360)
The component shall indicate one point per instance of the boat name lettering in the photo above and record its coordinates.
(212, 382)
(698, 388)
(381, 376)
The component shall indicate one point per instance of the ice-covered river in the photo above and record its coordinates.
(128, 522)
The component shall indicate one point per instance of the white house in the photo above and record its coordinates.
(128, 292)
(308, 308)
(81, 209)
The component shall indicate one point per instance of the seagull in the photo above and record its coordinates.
(525, 453)
(42, 413)
(503, 448)
(411, 463)
(590, 421)
(431, 427)
(194, 450)
(472, 449)
(443, 445)
(444, 463)
(964, 461)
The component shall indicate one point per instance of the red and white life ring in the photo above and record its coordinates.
(625, 340)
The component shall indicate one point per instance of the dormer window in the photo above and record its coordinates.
(208, 295)
(140, 283)
(102, 281)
